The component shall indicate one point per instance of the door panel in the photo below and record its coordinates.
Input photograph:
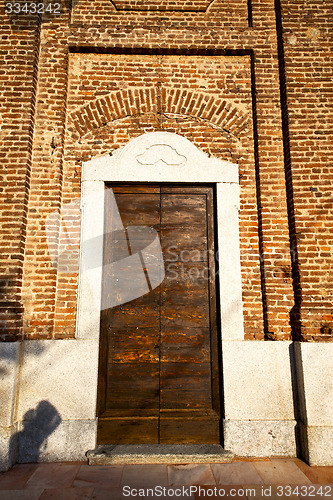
(158, 373)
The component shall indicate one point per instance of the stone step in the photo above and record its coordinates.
(158, 453)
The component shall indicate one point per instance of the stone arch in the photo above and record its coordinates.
(218, 112)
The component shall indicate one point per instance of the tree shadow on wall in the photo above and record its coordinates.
(38, 424)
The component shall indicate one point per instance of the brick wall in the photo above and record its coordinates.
(18, 62)
(212, 75)
(232, 13)
(308, 66)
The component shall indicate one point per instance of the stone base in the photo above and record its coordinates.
(55, 402)
(158, 453)
(8, 447)
(68, 442)
(317, 444)
(260, 438)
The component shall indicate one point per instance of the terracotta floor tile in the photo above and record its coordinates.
(105, 476)
(242, 491)
(78, 481)
(190, 474)
(32, 494)
(236, 473)
(236, 492)
(250, 459)
(316, 492)
(175, 492)
(117, 494)
(54, 475)
(145, 475)
(318, 475)
(77, 462)
(17, 477)
(108, 494)
(172, 493)
(67, 494)
(281, 471)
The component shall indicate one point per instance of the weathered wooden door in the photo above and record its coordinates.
(158, 372)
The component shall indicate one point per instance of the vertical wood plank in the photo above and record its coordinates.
(159, 373)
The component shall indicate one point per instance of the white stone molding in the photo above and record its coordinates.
(91, 260)
(194, 166)
(159, 157)
(258, 398)
(9, 372)
(314, 365)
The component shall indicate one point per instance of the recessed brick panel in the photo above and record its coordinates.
(231, 13)
(114, 98)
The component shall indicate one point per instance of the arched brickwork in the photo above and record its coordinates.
(220, 113)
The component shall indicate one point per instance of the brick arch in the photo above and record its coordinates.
(218, 112)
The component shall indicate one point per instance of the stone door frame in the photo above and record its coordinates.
(169, 158)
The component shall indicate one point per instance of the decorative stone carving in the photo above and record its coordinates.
(161, 153)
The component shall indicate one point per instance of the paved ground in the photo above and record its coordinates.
(265, 479)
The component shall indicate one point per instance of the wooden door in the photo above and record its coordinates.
(158, 372)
